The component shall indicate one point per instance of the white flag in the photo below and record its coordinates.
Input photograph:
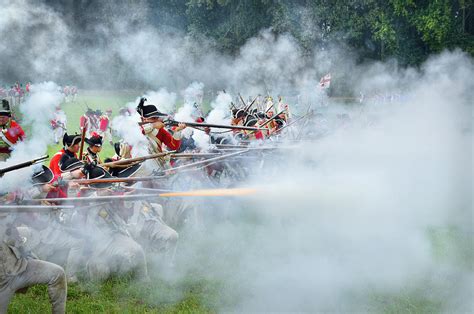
(325, 81)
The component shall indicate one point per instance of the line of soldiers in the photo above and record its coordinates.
(96, 121)
(123, 231)
(96, 240)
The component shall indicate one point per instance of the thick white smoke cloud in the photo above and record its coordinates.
(130, 51)
(165, 101)
(347, 218)
(220, 113)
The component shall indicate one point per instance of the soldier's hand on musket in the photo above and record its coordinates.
(74, 185)
(158, 124)
(181, 126)
(48, 187)
(77, 174)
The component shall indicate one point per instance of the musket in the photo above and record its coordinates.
(203, 162)
(204, 125)
(118, 180)
(272, 118)
(268, 109)
(242, 100)
(131, 188)
(194, 155)
(250, 106)
(95, 199)
(134, 160)
(83, 137)
(293, 122)
(22, 165)
(32, 208)
(230, 146)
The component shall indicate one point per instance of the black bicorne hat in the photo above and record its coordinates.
(127, 172)
(148, 111)
(95, 172)
(5, 109)
(70, 164)
(260, 115)
(94, 140)
(42, 176)
(234, 112)
(71, 140)
(280, 122)
(251, 122)
(240, 113)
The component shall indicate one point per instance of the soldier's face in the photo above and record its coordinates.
(74, 148)
(4, 120)
(151, 120)
(96, 149)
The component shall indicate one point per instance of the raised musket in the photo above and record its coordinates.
(251, 104)
(22, 165)
(242, 100)
(83, 139)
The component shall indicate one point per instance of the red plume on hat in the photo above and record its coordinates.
(94, 140)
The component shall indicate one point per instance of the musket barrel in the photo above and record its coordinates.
(203, 162)
(96, 198)
(136, 159)
(210, 125)
(118, 180)
(27, 208)
(23, 165)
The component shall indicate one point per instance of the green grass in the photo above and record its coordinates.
(120, 296)
(94, 100)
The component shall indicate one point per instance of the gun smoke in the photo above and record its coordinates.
(338, 222)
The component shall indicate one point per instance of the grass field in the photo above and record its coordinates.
(94, 100)
(195, 292)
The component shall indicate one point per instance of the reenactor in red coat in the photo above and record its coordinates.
(11, 132)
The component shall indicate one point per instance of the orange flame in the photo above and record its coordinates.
(213, 192)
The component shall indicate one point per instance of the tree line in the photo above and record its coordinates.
(408, 30)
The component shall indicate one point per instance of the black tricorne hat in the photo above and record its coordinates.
(148, 111)
(5, 109)
(94, 140)
(71, 140)
(70, 164)
(42, 176)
